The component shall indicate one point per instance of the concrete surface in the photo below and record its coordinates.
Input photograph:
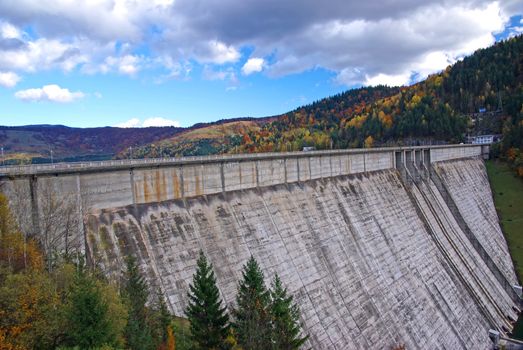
(373, 250)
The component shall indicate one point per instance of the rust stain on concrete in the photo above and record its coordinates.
(197, 185)
(159, 185)
(137, 193)
(146, 191)
(240, 173)
(176, 185)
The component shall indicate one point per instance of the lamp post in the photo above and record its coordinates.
(52, 160)
(3, 159)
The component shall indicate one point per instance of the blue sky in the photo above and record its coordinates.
(161, 62)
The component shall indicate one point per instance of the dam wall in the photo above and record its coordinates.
(42, 191)
(368, 242)
(372, 262)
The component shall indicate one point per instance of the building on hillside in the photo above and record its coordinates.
(483, 139)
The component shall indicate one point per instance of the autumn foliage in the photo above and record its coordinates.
(69, 306)
(17, 252)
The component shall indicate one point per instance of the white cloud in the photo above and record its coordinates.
(19, 52)
(515, 30)
(131, 123)
(210, 74)
(349, 76)
(165, 3)
(384, 40)
(391, 51)
(175, 69)
(220, 53)
(8, 79)
(228, 75)
(99, 19)
(44, 54)
(158, 121)
(253, 65)
(127, 65)
(149, 122)
(387, 79)
(9, 31)
(426, 65)
(53, 93)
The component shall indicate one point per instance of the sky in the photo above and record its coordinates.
(139, 63)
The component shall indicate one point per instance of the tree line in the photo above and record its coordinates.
(68, 305)
(262, 319)
(511, 146)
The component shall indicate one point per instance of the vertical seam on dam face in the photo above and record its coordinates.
(133, 189)
(298, 169)
(182, 183)
(81, 207)
(330, 166)
(33, 188)
(369, 266)
(285, 169)
(256, 164)
(222, 178)
(310, 169)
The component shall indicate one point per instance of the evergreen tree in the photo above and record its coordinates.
(163, 318)
(87, 314)
(285, 315)
(209, 320)
(138, 331)
(252, 322)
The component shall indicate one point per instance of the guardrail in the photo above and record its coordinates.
(32, 169)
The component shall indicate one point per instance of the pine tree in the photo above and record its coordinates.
(87, 314)
(252, 322)
(209, 320)
(138, 331)
(164, 316)
(285, 316)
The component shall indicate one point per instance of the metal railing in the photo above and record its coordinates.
(63, 167)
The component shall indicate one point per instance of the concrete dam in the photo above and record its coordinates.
(380, 247)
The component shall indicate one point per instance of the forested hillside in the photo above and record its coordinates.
(438, 109)
(35, 142)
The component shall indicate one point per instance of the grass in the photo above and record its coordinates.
(218, 131)
(508, 199)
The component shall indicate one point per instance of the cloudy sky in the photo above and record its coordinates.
(179, 62)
